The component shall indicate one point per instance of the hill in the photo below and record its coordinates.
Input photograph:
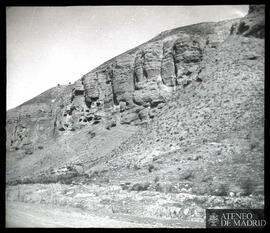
(182, 114)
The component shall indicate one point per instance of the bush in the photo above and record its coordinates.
(106, 180)
(92, 134)
(136, 167)
(28, 151)
(150, 167)
(97, 171)
(165, 188)
(201, 190)
(156, 179)
(187, 175)
(125, 186)
(220, 189)
(248, 185)
(140, 186)
(253, 145)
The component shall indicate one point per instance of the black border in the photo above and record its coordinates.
(119, 2)
(7, 3)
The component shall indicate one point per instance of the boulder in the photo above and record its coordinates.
(128, 117)
(143, 114)
(144, 98)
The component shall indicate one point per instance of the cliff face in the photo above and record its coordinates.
(77, 122)
(129, 89)
(211, 130)
(33, 122)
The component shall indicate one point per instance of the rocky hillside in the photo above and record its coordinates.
(183, 111)
(125, 90)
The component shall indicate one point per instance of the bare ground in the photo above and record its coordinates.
(19, 214)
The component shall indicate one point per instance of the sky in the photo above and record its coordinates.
(47, 46)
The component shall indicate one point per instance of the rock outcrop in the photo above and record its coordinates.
(253, 24)
(133, 84)
(129, 89)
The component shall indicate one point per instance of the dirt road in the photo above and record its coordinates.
(20, 214)
(37, 215)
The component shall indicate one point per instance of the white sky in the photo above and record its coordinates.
(51, 45)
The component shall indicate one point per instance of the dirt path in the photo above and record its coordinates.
(38, 215)
(20, 214)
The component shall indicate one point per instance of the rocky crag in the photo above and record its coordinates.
(184, 112)
(129, 89)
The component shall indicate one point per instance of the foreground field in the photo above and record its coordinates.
(58, 205)
(39, 215)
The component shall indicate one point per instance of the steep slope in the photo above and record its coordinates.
(252, 25)
(211, 135)
(119, 89)
(185, 107)
(129, 89)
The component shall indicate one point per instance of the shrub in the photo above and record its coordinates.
(165, 188)
(201, 189)
(253, 145)
(26, 180)
(187, 175)
(206, 178)
(92, 134)
(219, 189)
(105, 180)
(125, 186)
(97, 171)
(28, 151)
(156, 179)
(140, 186)
(259, 190)
(136, 167)
(197, 157)
(248, 185)
(150, 167)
